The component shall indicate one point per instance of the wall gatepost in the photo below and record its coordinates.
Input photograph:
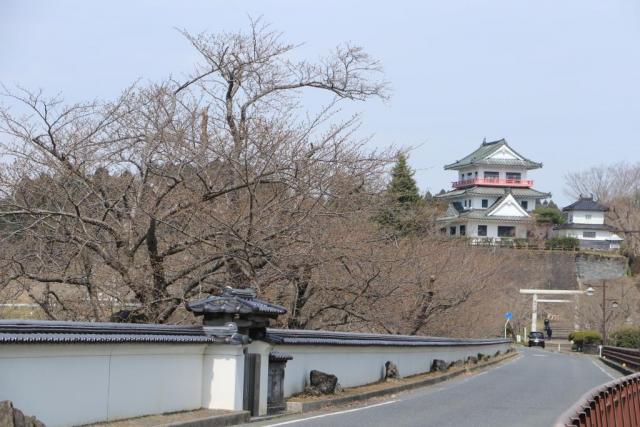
(251, 316)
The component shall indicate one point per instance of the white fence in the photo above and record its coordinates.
(70, 374)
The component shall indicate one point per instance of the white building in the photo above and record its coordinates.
(585, 221)
(493, 195)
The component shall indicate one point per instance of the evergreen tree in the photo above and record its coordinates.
(403, 187)
(403, 204)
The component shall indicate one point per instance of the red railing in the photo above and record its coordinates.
(494, 181)
(616, 403)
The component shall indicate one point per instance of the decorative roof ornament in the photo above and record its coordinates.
(235, 301)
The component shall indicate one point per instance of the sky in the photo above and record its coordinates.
(559, 79)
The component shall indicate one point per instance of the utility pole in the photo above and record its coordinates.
(604, 312)
(614, 304)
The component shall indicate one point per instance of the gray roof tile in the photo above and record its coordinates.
(242, 301)
(479, 157)
(51, 331)
(585, 204)
(495, 191)
(302, 337)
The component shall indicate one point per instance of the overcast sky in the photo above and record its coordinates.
(559, 79)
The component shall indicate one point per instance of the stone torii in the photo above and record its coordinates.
(536, 300)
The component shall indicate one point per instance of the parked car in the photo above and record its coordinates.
(536, 339)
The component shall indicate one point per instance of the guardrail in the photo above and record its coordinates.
(627, 357)
(616, 403)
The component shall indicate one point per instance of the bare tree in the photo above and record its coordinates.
(179, 188)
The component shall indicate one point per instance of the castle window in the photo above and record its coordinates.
(589, 234)
(491, 175)
(506, 231)
(524, 204)
(485, 203)
(482, 230)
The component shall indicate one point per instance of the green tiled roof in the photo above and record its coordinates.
(479, 157)
(494, 191)
(481, 214)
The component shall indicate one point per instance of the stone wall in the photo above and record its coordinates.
(593, 268)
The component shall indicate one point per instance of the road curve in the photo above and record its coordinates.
(531, 390)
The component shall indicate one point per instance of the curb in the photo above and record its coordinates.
(301, 407)
(224, 420)
(616, 366)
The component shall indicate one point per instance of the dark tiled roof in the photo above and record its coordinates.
(479, 157)
(457, 206)
(576, 226)
(278, 356)
(48, 331)
(305, 337)
(495, 191)
(585, 204)
(33, 338)
(241, 301)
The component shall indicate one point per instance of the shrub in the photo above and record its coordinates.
(582, 338)
(564, 243)
(628, 336)
(548, 216)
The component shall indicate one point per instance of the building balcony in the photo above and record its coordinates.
(494, 182)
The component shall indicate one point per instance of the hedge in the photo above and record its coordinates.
(565, 243)
(581, 338)
(628, 336)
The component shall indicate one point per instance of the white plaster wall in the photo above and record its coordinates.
(580, 217)
(356, 365)
(59, 384)
(71, 384)
(531, 203)
(476, 201)
(508, 208)
(222, 377)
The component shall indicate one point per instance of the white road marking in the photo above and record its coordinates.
(603, 370)
(539, 355)
(332, 413)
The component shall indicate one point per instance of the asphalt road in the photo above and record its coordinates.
(531, 390)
